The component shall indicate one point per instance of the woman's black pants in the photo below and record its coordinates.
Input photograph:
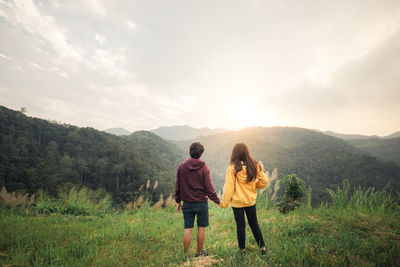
(241, 225)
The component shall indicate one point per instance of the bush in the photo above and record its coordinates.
(76, 209)
(294, 192)
(47, 206)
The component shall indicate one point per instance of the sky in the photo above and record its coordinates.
(327, 65)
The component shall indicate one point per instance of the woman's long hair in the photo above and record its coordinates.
(241, 153)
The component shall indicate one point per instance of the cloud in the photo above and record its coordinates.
(110, 63)
(25, 14)
(100, 39)
(54, 69)
(362, 92)
(4, 56)
(308, 64)
(131, 25)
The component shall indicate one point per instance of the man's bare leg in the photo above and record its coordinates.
(187, 233)
(201, 234)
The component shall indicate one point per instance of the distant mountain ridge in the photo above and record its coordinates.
(185, 132)
(360, 136)
(386, 149)
(117, 131)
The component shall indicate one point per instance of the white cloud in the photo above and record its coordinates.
(53, 69)
(36, 66)
(4, 56)
(110, 63)
(131, 25)
(100, 39)
(95, 6)
(26, 15)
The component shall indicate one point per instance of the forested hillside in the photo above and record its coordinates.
(385, 149)
(36, 154)
(320, 160)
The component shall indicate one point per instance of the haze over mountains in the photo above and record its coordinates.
(117, 131)
(176, 133)
(36, 154)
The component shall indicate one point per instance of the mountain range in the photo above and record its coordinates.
(175, 133)
(37, 154)
(185, 132)
(360, 136)
(322, 161)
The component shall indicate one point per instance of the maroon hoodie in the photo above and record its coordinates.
(193, 182)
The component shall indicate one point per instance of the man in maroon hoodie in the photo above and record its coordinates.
(194, 187)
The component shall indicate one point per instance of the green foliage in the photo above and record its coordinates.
(39, 155)
(47, 206)
(385, 149)
(294, 192)
(362, 199)
(85, 201)
(321, 160)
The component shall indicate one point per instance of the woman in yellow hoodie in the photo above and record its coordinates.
(243, 176)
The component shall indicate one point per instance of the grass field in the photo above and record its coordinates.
(152, 237)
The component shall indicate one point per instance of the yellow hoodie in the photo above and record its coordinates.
(238, 191)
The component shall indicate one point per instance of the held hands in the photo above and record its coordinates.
(179, 207)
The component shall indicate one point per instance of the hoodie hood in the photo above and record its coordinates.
(194, 164)
(242, 175)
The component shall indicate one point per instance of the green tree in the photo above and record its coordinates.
(294, 192)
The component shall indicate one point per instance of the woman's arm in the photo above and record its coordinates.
(229, 188)
(261, 179)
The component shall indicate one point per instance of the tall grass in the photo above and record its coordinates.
(364, 199)
(77, 201)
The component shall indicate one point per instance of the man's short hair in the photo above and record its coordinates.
(196, 150)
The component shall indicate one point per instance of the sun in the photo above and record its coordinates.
(247, 115)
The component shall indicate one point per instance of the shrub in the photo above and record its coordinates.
(47, 206)
(294, 192)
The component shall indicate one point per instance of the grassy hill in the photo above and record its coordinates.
(325, 236)
(320, 160)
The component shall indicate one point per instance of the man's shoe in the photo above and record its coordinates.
(203, 253)
(263, 252)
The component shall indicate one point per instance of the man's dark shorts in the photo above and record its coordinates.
(191, 209)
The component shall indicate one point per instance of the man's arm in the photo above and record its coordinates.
(177, 190)
(178, 186)
(210, 191)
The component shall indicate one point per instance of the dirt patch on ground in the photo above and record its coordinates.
(201, 261)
